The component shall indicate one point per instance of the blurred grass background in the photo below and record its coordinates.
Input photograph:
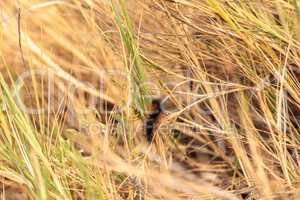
(77, 80)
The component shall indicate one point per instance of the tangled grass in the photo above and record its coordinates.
(149, 99)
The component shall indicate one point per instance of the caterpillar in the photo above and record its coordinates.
(152, 119)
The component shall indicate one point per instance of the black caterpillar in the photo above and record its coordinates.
(152, 119)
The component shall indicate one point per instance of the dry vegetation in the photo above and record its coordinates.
(77, 81)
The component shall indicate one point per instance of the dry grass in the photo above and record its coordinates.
(78, 78)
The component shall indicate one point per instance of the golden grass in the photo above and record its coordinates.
(77, 81)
